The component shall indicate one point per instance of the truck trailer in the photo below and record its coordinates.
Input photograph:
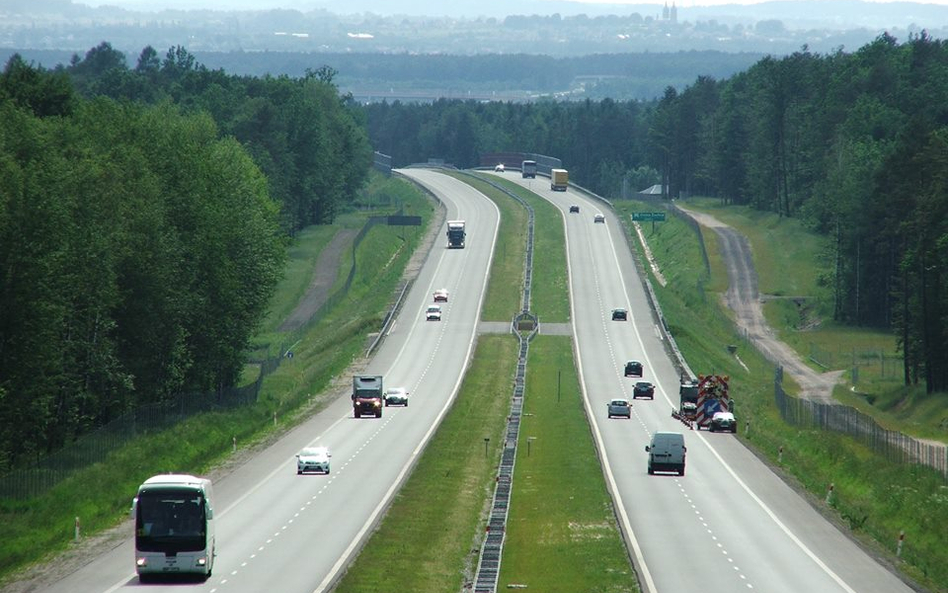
(456, 234)
(559, 179)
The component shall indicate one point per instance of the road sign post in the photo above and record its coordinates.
(648, 216)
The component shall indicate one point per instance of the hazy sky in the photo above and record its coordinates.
(309, 4)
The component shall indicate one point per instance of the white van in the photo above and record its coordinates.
(666, 453)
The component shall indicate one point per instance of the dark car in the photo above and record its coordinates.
(573, 208)
(633, 368)
(620, 315)
(643, 389)
(723, 422)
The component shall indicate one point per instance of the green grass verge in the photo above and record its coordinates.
(550, 287)
(875, 498)
(428, 539)
(562, 533)
(505, 286)
(100, 495)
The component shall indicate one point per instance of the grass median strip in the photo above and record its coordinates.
(562, 533)
(429, 537)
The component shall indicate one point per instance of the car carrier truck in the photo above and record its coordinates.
(456, 234)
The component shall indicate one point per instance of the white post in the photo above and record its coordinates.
(898, 549)
(780, 455)
(77, 529)
(235, 444)
(829, 494)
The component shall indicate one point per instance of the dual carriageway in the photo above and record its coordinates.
(730, 524)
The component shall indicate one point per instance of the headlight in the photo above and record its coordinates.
(141, 562)
(202, 561)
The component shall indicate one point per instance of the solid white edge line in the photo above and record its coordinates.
(607, 468)
(344, 559)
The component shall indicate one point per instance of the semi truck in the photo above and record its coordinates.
(456, 234)
(528, 169)
(559, 179)
(367, 395)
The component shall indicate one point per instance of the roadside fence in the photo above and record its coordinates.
(892, 445)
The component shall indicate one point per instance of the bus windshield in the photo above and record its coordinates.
(170, 520)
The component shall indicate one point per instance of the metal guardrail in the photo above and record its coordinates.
(488, 565)
(671, 346)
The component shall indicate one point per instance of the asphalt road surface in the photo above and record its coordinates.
(277, 531)
(729, 524)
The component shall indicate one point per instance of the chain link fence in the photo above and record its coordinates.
(892, 445)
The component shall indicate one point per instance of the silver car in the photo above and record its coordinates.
(396, 396)
(620, 407)
(313, 459)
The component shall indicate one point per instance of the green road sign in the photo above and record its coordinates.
(648, 216)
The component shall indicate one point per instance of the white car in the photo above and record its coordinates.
(313, 459)
(433, 313)
(396, 396)
(441, 295)
(499, 168)
(599, 217)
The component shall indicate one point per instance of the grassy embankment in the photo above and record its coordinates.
(562, 533)
(100, 495)
(875, 498)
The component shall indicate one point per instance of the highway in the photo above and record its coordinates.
(281, 532)
(729, 524)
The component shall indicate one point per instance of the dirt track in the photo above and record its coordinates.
(743, 298)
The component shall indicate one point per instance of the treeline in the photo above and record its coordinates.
(308, 142)
(854, 144)
(144, 217)
(602, 142)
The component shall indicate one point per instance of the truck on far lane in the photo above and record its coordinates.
(456, 234)
(559, 179)
(367, 395)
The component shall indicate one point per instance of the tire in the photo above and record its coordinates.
(681, 471)
(299, 472)
(711, 428)
(406, 403)
(651, 472)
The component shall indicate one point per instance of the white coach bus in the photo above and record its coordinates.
(174, 526)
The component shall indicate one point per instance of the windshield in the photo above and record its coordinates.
(170, 520)
(689, 393)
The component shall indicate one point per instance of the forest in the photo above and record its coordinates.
(145, 210)
(854, 144)
(144, 218)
